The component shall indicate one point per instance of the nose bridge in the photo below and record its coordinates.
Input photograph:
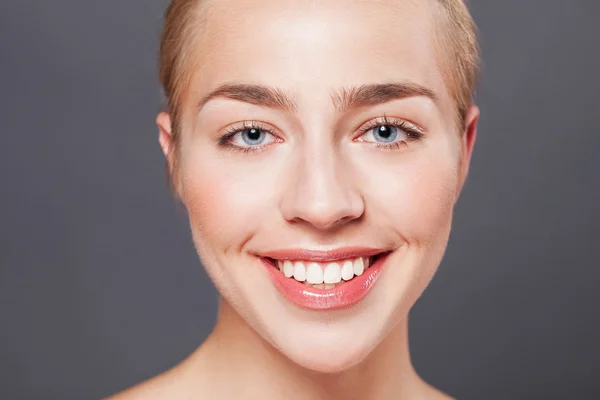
(320, 190)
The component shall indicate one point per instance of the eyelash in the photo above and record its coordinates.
(225, 140)
(413, 133)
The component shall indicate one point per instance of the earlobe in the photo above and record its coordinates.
(467, 142)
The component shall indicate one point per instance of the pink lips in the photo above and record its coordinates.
(345, 295)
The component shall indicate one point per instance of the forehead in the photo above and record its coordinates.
(311, 48)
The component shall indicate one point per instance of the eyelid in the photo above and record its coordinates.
(389, 120)
(249, 124)
(413, 131)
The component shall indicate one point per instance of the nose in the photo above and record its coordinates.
(321, 190)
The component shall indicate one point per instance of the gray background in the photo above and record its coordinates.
(100, 286)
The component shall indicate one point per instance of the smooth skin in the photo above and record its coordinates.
(318, 182)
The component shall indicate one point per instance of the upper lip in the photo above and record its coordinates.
(322, 255)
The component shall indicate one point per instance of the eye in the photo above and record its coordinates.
(251, 136)
(386, 133)
(390, 133)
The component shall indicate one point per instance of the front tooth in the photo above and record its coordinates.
(299, 272)
(367, 261)
(333, 273)
(288, 269)
(359, 266)
(347, 271)
(314, 274)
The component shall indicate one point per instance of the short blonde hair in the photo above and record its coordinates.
(456, 35)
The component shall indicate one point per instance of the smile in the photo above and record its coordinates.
(324, 275)
(325, 280)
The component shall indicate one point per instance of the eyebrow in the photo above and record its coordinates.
(344, 99)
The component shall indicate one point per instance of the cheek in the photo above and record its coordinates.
(210, 199)
(226, 202)
(431, 189)
(417, 196)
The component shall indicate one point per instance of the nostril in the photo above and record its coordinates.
(336, 222)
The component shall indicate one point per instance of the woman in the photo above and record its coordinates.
(319, 149)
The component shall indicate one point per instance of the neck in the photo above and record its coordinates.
(237, 363)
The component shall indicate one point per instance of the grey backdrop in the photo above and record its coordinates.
(100, 286)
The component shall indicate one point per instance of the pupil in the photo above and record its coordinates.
(386, 133)
(254, 134)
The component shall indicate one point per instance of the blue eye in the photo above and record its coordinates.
(387, 133)
(253, 136)
(390, 133)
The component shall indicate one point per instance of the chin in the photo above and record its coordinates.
(328, 352)
(328, 361)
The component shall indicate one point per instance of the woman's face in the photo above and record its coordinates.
(357, 152)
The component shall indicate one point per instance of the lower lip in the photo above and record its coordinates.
(345, 295)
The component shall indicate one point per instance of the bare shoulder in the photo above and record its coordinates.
(163, 386)
(426, 391)
(433, 393)
(190, 379)
(172, 384)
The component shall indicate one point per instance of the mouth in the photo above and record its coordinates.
(318, 281)
(325, 274)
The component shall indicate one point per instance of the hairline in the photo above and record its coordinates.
(442, 54)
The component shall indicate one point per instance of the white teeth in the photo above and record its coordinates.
(359, 266)
(314, 274)
(288, 269)
(347, 271)
(324, 276)
(299, 272)
(333, 273)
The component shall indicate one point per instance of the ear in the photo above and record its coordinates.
(165, 139)
(467, 142)
(163, 121)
